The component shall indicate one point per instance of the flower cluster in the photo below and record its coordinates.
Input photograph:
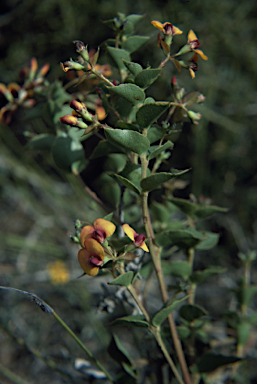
(21, 95)
(93, 239)
(192, 45)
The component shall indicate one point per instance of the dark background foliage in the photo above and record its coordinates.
(38, 203)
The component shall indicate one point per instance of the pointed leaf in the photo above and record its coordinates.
(210, 361)
(147, 77)
(197, 210)
(177, 268)
(127, 183)
(200, 276)
(130, 92)
(123, 280)
(118, 55)
(131, 140)
(134, 68)
(150, 112)
(118, 352)
(132, 43)
(209, 242)
(162, 315)
(133, 320)
(190, 312)
(191, 98)
(160, 149)
(155, 181)
(183, 238)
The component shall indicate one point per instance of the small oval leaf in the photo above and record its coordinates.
(160, 149)
(162, 315)
(130, 92)
(147, 77)
(123, 280)
(150, 112)
(131, 140)
(155, 181)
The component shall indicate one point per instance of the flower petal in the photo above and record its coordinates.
(144, 247)
(130, 232)
(191, 36)
(86, 265)
(176, 30)
(105, 226)
(158, 24)
(94, 248)
(201, 54)
(86, 232)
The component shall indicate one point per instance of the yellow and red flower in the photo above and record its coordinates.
(139, 240)
(91, 257)
(194, 44)
(168, 30)
(100, 230)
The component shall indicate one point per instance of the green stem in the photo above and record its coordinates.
(167, 356)
(79, 342)
(11, 376)
(133, 293)
(156, 259)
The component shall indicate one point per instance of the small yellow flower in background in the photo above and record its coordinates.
(58, 272)
(91, 257)
(193, 66)
(99, 231)
(139, 240)
(194, 43)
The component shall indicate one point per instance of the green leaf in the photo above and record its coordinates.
(183, 238)
(134, 68)
(107, 189)
(195, 210)
(155, 181)
(118, 55)
(200, 276)
(78, 166)
(43, 141)
(190, 312)
(147, 77)
(160, 149)
(127, 183)
(210, 361)
(191, 98)
(150, 112)
(131, 140)
(66, 151)
(162, 212)
(132, 43)
(134, 18)
(104, 148)
(183, 332)
(177, 268)
(118, 352)
(155, 134)
(123, 280)
(209, 242)
(130, 92)
(133, 320)
(162, 315)
(243, 332)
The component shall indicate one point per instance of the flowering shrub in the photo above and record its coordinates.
(134, 140)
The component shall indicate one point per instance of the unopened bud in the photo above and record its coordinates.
(194, 116)
(73, 121)
(82, 49)
(68, 65)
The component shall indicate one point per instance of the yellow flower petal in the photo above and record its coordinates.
(144, 247)
(158, 24)
(84, 261)
(106, 226)
(130, 232)
(191, 36)
(201, 54)
(192, 73)
(86, 233)
(177, 31)
(94, 248)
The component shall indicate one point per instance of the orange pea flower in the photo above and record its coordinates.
(139, 240)
(100, 230)
(166, 28)
(91, 257)
(194, 43)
